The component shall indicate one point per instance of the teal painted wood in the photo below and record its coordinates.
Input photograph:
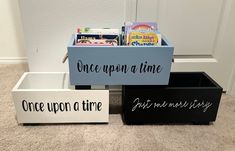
(126, 65)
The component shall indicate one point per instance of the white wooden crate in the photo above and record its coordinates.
(48, 98)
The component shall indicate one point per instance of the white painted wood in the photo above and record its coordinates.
(231, 89)
(147, 10)
(131, 11)
(54, 88)
(201, 31)
(191, 25)
(192, 60)
(48, 26)
(232, 92)
(12, 60)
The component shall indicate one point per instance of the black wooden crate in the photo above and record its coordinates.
(189, 97)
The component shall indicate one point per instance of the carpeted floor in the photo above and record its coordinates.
(113, 136)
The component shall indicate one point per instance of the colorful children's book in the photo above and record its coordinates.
(87, 39)
(142, 34)
(97, 37)
(97, 42)
(101, 31)
(140, 26)
(144, 38)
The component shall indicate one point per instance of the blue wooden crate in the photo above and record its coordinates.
(120, 65)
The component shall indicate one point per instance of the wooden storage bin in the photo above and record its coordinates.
(48, 98)
(120, 65)
(189, 97)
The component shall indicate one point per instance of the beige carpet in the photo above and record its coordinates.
(113, 136)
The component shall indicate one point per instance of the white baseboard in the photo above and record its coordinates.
(231, 87)
(12, 60)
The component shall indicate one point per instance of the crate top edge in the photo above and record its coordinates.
(17, 88)
(215, 87)
(177, 88)
(60, 90)
(71, 44)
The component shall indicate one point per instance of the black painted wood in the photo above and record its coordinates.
(189, 97)
(82, 87)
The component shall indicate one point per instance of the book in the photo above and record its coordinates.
(97, 42)
(87, 39)
(142, 34)
(144, 38)
(140, 26)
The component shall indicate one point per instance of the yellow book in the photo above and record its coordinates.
(144, 38)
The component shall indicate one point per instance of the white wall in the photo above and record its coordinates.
(12, 47)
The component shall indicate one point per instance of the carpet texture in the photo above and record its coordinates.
(219, 136)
